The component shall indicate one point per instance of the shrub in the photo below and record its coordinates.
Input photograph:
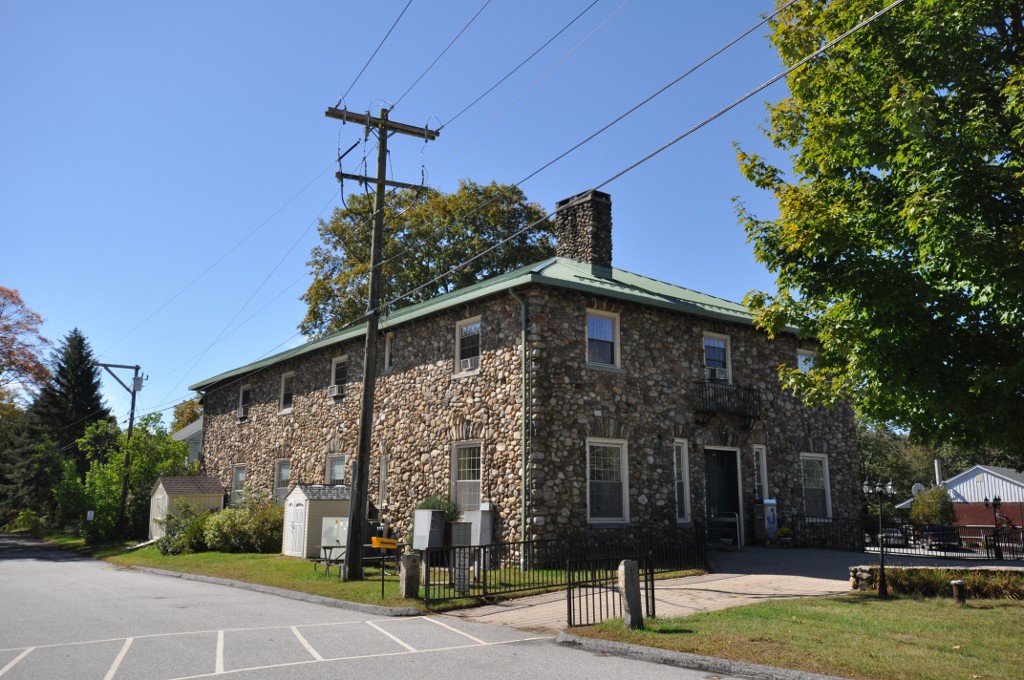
(255, 525)
(184, 532)
(931, 582)
(436, 502)
(933, 507)
(27, 520)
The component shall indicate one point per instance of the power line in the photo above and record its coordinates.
(438, 57)
(219, 260)
(768, 83)
(521, 64)
(360, 74)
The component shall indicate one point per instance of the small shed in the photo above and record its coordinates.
(310, 510)
(206, 493)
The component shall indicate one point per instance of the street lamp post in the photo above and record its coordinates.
(995, 504)
(881, 491)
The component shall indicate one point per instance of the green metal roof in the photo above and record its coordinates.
(557, 272)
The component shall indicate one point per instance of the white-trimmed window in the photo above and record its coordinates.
(237, 483)
(804, 360)
(287, 392)
(602, 338)
(761, 472)
(389, 351)
(716, 358)
(244, 402)
(607, 481)
(282, 476)
(814, 474)
(335, 473)
(467, 346)
(339, 376)
(466, 475)
(681, 458)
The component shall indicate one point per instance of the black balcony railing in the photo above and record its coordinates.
(714, 398)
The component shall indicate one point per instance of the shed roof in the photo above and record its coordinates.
(190, 486)
(558, 272)
(320, 492)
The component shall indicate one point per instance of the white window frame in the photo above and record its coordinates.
(827, 482)
(616, 344)
(805, 360)
(236, 488)
(389, 351)
(281, 490)
(335, 362)
(244, 410)
(473, 369)
(681, 466)
(728, 354)
(382, 482)
(290, 375)
(761, 472)
(460, 492)
(623, 447)
(327, 471)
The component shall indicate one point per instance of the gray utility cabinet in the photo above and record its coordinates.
(428, 529)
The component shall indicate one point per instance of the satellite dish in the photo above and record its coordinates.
(917, 488)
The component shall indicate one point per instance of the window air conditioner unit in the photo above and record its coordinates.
(336, 391)
(717, 374)
(470, 364)
(242, 413)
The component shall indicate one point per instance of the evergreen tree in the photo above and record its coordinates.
(71, 400)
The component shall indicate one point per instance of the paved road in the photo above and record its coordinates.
(64, 617)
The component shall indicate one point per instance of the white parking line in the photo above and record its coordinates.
(378, 628)
(309, 647)
(218, 666)
(119, 659)
(15, 660)
(455, 630)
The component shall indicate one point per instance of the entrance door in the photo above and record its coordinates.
(721, 483)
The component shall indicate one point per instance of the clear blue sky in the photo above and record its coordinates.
(162, 162)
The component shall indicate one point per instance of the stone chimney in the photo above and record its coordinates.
(583, 225)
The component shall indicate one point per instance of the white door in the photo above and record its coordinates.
(158, 512)
(297, 529)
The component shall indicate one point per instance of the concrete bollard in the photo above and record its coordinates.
(959, 591)
(409, 576)
(629, 591)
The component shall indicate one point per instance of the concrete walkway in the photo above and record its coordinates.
(739, 577)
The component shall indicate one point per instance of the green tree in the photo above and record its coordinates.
(29, 467)
(71, 400)
(153, 454)
(899, 241)
(427, 233)
(933, 506)
(186, 413)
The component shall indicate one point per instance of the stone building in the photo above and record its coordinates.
(562, 396)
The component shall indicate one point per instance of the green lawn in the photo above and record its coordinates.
(855, 635)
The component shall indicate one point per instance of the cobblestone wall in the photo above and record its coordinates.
(423, 407)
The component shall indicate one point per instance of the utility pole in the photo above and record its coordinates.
(360, 471)
(136, 386)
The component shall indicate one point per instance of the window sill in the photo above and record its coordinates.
(607, 368)
(285, 412)
(609, 523)
(466, 374)
(688, 522)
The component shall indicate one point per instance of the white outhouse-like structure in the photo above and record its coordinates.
(314, 515)
(206, 493)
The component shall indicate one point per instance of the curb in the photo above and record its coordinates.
(707, 664)
(372, 609)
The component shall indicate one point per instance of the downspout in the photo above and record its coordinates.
(523, 411)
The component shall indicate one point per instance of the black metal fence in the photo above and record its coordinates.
(828, 532)
(978, 543)
(508, 568)
(592, 592)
